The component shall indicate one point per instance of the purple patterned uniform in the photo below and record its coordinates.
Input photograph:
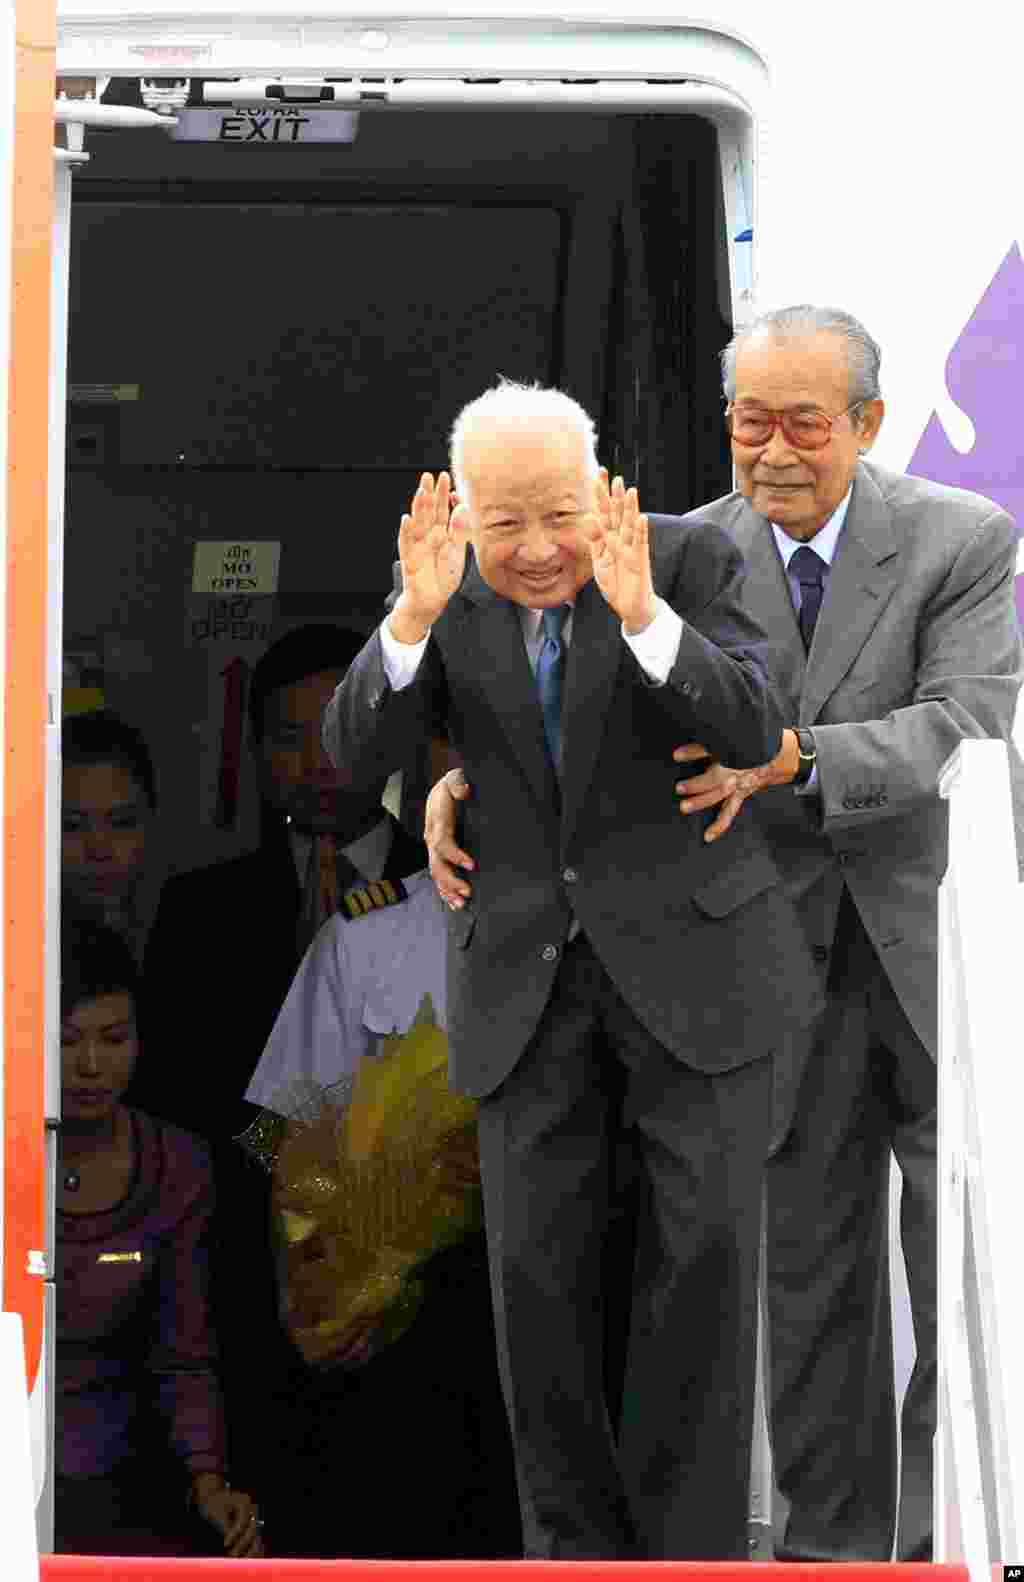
(133, 1322)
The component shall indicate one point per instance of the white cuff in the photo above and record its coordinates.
(401, 660)
(657, 646)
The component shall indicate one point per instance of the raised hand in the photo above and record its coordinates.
(616, 532)
(432, 543)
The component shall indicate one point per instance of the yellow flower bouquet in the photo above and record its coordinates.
(372, 1177)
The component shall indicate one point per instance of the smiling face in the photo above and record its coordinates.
(104, 820)
(98, 1050)
(530, 483)
(798, 490)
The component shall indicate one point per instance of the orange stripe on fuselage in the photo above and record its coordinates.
(24, 723)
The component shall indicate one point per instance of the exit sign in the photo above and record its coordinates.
(278, 126)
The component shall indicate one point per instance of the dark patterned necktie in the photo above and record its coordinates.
(809, 570)
(329, 873)
(550, 674)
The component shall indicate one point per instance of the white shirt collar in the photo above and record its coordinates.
(825, 539)
(369, 853)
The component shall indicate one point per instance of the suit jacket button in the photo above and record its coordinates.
(549, 953)
(820, 953)
(569, 875)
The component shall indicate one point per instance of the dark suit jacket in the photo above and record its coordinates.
(220, 959)
(917, 647)
(699, 939)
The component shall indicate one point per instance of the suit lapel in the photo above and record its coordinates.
(595, 654)
(490, 649)
(864, 574)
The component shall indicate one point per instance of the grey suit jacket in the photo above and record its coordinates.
(699, 939)
(917, 647)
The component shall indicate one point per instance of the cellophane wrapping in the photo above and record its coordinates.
(372, 1177)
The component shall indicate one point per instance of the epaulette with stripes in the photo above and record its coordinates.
(376, 893)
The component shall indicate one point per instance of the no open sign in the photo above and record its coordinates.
(236, 566)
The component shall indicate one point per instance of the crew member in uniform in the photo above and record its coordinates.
(418, 1424)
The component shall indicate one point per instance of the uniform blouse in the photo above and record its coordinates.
(135, 1346)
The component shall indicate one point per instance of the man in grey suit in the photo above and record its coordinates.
(613, 972)
(889, 604)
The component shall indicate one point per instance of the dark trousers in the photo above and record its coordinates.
(675, 1482)
(868, 1091)
(408, 1457)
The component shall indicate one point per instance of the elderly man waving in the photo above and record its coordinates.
(614, 970)
(889, 605)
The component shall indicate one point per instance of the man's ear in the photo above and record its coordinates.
(870, 421)
(460, 523)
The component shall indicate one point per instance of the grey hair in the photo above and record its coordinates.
(519, 402)
(863, 353)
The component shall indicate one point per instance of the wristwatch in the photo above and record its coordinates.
(808, 755)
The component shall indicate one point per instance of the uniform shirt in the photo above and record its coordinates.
(369, 854)
(360, 980)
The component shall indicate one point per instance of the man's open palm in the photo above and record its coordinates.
(620, 553)
(432, 548)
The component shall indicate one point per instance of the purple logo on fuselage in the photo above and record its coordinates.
(985, 377)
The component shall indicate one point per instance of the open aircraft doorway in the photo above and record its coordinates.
(268, 342)
(276, 306)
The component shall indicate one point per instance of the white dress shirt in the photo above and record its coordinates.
(824, 543)
(655, 648)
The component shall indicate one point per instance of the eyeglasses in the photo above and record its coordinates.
(802, 430)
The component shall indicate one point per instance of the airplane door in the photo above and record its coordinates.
(38, 1304)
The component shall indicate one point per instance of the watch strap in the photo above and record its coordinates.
(808, 756)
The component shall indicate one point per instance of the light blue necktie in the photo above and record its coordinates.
(550, 672)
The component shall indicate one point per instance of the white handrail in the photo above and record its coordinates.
(89, 112)
(20, 1549)
(979, 1505)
